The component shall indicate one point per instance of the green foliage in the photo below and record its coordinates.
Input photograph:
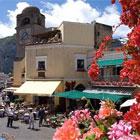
(84, 126)
(104, 138)
(103, 127)
(91, 137)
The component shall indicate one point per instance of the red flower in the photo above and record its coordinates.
(93, 71)
(131, 71)
(134, 37)
(133, 116)
(137, 95)
(130, 17)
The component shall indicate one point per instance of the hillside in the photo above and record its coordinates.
(7, 53)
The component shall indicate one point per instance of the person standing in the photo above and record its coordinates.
(31, 119)
(10, 118)
(7, 100)
(41, 115)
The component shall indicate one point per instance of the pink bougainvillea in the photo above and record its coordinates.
(130, 17)
(133, 116)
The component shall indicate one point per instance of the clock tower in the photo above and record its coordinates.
(29, 23)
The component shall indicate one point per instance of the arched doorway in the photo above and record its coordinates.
(80, 87)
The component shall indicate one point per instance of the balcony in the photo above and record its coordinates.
(41, 74)
(111, 81)
(109, 78)
(108, 58)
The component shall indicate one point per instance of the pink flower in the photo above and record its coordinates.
(68, 131)
(104, 112)
(107, 110)
(121, 130)
(127, 138)
(96, 131)
(81, 115)
(96, 117)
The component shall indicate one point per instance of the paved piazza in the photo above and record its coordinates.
(21, 132)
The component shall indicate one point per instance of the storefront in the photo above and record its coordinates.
(38, 92)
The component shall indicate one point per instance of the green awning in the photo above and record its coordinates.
(105, 96)
(73, 94)
(110, 62)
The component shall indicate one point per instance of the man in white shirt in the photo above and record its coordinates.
(10, 114)
(31, 120)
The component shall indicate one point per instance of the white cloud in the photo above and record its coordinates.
(71, 10)
(76, 11)
(122, 31)
(111, 16)
(7, 29)
(81, 11)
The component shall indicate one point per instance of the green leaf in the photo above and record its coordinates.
(103, 128)
(104, 138)
(91, 137)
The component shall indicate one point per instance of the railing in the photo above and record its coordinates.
(109, 78)
(112, 80)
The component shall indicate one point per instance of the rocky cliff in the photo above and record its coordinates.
(7, 53)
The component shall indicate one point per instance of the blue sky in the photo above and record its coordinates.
(58, 10)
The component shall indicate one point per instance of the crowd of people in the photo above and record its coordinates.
(35, 116)
(25, 113)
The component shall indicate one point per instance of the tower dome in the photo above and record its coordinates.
(31, 9)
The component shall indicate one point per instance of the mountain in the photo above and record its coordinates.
(7, 53)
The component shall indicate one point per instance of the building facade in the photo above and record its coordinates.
(59, 54)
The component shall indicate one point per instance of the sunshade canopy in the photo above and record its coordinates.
(78, 95)
(40, 88)
(128, 103)
(10, 89)
(110, 62)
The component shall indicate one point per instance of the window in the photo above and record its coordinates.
(114, 70)
(80, 65)
(102, 72)
(26, 21)
(118, 70)
(41, 63)
(80, 62)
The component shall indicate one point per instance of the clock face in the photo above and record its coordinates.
(24, 36)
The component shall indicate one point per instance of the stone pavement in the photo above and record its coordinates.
(21, 132)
